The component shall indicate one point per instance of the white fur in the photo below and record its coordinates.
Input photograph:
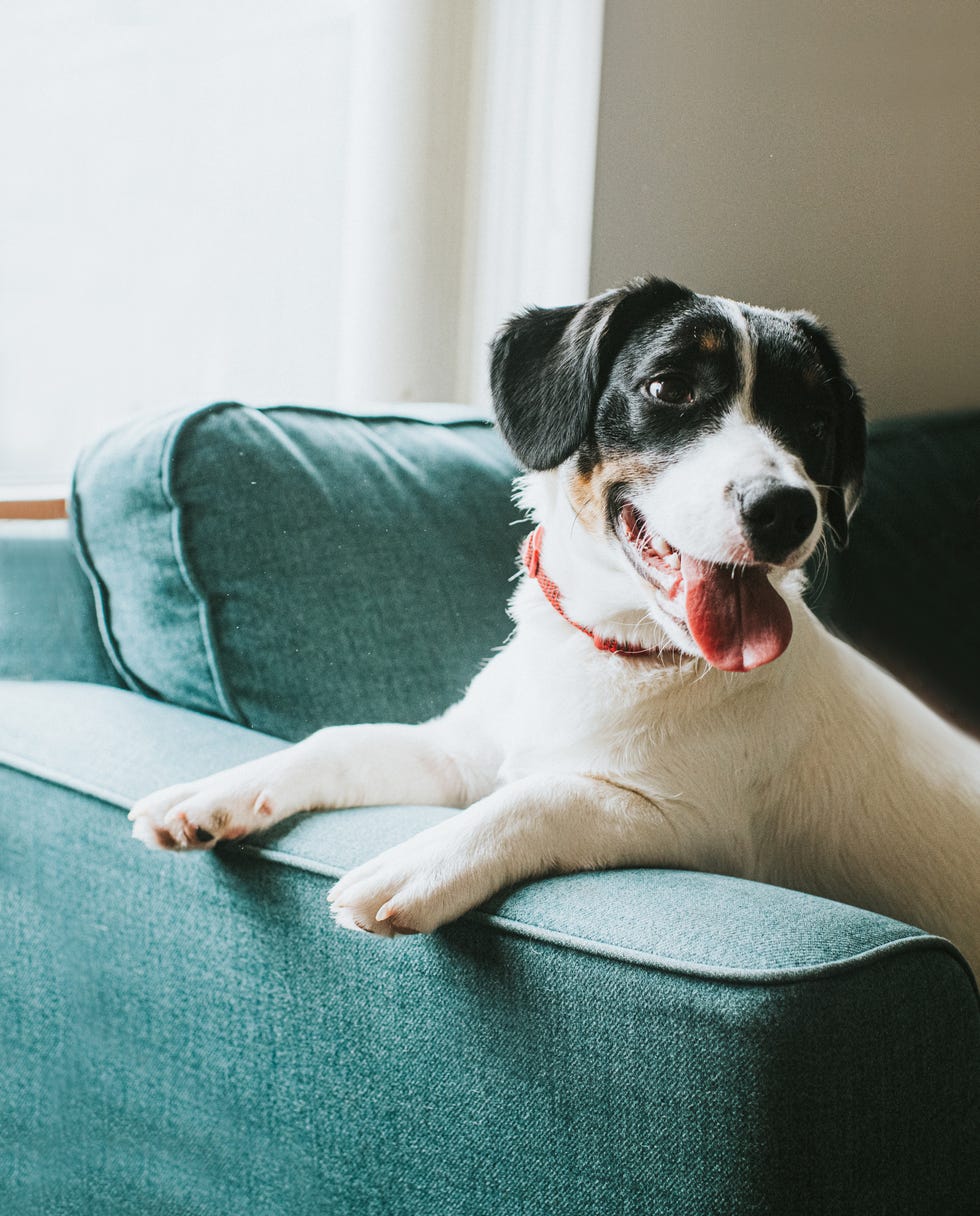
(746, 353)
(695, 501)
(817, 771)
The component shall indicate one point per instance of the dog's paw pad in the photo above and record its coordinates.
(201, 814)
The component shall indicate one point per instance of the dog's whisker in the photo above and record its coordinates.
(821, 571)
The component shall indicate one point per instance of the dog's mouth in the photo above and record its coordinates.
(735, 616)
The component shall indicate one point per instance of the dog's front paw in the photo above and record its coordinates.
(414, 887)
(199, 814)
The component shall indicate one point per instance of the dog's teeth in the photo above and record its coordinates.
(660, 546)
(673, 560)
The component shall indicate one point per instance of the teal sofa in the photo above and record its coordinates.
(193, 1034)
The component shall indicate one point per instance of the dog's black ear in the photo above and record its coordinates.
(851, 444)
(548, 367)
(850, 432)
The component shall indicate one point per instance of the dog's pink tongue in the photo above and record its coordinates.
(736, 616)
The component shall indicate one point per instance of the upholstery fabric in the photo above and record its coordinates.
(192, 1034)
(288, 568)
(906, 589)
(48, 625)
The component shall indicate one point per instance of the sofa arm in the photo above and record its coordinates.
(48, 628)
(196, 1034)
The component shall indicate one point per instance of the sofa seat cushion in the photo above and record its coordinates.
(116, 746)
(288, 568)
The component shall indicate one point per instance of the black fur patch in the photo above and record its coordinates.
(626, 420)
(549, 367)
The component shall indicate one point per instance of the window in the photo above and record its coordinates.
(306, 201)
(170, 211)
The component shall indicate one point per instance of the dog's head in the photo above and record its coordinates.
(710, 441)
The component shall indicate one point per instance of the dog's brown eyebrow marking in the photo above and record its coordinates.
(711, 341)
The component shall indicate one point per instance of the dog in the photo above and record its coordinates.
(666, 698)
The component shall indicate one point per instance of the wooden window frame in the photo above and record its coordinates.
(22, 502)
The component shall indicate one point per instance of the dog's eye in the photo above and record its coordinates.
(671, 390)
(819, 426)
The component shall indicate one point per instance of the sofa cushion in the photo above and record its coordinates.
(906, 589)
(289, 568)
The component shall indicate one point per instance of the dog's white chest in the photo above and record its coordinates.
(569, 709)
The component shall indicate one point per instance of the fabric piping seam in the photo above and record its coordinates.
(168, 459)
(101, 595)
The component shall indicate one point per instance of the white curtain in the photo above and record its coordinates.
(314, 201)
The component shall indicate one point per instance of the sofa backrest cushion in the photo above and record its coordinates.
(906, 591)
(289, 568)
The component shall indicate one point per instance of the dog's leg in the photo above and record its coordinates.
(547, 824)
(339, 766)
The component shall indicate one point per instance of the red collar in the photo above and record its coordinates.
(531, 557)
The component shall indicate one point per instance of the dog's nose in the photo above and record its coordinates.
(776, 518)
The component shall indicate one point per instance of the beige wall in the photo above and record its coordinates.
(821, 155)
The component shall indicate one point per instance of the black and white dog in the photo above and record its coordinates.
(666, 698)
